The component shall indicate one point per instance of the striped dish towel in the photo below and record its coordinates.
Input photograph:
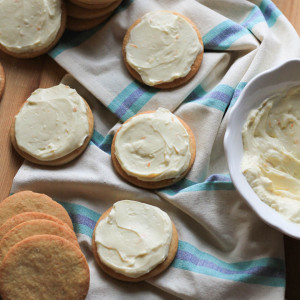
(225, 251)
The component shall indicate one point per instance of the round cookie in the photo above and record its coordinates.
(93, 4)
(157, 270)
(61, 160)
(164, 84)
(2, 80)
(34, 53)
(78, 12)
(27, 201)
(44, 267)
(28, 216)
(34, 227)
(154, 184)
(81, 25)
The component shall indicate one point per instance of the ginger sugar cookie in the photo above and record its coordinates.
(2, 80)
(153, 149)
(28, 216)
(78, 12)
(34, 227)
(53, 127)
(27, 201)
(44, 267)
(30, 28)
(163, 49)
(133, 241)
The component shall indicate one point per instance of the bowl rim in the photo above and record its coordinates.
(274, 219)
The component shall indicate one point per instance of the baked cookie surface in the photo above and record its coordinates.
(28, 216)
(75, 24)
(44, 267)
(27, 201)
(93, 4)
(153, 149)
(2, 80)
(53, 126)
(32, 27)
(140, 230)
(86, 14)
(163, 49)
(34, 227)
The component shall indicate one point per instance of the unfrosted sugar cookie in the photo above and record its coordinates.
(28, 216)
(27, 201)
(44, 267)
(153, 149)
(93, 4)
(133, 241)
(30, 27)
(78, 12)
(34, 227)
(163, 49)
(53, 127)
(2, 80)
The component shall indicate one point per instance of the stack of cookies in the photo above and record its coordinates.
(40, 257)
(86, 14)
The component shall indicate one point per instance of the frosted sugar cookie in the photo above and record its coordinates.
(2, 80)
(133, 241)
(27, 216)
(31, 27)
(44, 267)
(163, 49)
(27, 201)
(34, 227)
(153, 149)
(86, 14)
(53, 127)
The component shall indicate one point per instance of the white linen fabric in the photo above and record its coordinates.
(225, 251)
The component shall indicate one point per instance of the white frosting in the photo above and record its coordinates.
(134, 238)
(162, 47)
(29, 24)
(153, 146)
(271, 161)
(52, 123)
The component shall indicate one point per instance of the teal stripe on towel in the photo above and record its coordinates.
(270, 12)
(130, 100)
(264, 271)
(222, 36)
(215, 182)
(102, 142)
(219, 97)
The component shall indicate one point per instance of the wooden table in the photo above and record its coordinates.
(24, 76)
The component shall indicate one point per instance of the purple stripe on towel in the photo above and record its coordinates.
(126, 104)
(222, 36)
(80, 219)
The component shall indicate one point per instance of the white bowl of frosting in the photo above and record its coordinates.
(261, 143)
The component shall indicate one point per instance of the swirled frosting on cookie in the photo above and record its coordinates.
(52, 123)
(134, 238)
(153, 146)
(27, 25)
(162, 47)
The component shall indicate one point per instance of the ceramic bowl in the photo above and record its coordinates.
(257, 90)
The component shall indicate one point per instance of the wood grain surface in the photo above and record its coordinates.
(24, 76)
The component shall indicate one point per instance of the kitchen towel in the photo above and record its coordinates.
(225, 251)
